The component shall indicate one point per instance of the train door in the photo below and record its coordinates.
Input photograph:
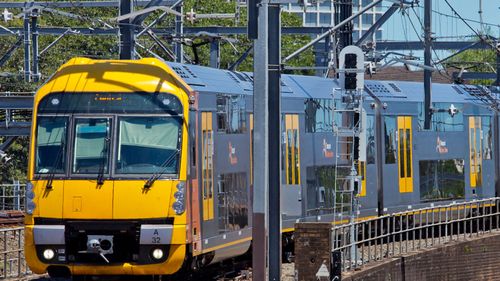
(475, 155)
(405, 166)
(207, 165)
(291, 193)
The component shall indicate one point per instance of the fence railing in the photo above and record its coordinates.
(12, 261)
(392, 235)
(12, 196)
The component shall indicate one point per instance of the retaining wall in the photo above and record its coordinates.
(477, 258)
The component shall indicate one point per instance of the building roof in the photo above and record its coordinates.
(401, 73)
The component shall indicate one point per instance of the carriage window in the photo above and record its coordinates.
(487, 137)
(390, 140)
(91, 147)
(370, 139)
(232, 201)
(442, 179)
(148, 145)
(443, 119)
(292, 149)
(231, 117)
(50, 145)
(319, 115)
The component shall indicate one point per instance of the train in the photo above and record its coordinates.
(145, 167)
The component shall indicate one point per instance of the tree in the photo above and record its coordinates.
(107, 47)
(477, 61)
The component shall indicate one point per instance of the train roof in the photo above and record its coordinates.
(206, 79)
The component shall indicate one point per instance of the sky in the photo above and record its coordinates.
(445, 25)
(398, 26)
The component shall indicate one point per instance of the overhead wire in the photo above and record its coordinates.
(480, 36)
(422, 41)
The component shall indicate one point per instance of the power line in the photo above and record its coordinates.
(464, 21)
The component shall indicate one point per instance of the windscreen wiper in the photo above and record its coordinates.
(104, 151)
(163, 168)
(52, 170)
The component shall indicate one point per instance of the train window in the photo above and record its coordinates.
(442, 179)
(370, 139)
(232, 202)
(148, 145)
(362, 173)
(475, 151)
(390, 140)
(487, 137)
(321, 181)
(192, 140)
(91, 145)
(231, 115)
(442, 120)
(292, 151)
(207, 152)
(50, 145)
(405, 168)
(124, 103)
(319, 115)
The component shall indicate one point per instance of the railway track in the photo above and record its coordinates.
(11, 218)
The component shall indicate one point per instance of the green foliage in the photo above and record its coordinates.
(477, 61)
(107, 47)
(16, 167)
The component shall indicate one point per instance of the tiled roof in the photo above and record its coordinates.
(401, 73)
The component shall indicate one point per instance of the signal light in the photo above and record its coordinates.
(351, 61)
(350, 81)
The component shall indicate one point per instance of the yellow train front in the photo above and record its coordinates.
(108, 170)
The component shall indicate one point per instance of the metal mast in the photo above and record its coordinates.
(427, 62)
(259, 8)
(274, 111)
(126, 31)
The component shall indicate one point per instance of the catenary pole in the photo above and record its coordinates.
(274, 111)
(260, 163)
(34, 39)
(27, 43)
(179, 31)
(427, 62)
(126, 31)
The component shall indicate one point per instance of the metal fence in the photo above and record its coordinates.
(392, 235)
(12, 261)
(12, 196)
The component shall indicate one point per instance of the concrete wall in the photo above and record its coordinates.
(478, 258)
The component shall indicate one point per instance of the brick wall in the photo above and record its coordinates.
(477, 258)
(312, 248)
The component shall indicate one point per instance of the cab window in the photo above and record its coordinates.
(91, 145)
(50, 145)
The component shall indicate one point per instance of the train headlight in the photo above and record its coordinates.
(30, 195)
(178, 205)
(48, 254)
(157, 254)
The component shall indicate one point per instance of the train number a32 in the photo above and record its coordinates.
(156, 237)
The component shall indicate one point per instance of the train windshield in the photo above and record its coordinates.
(123, 134)
(51, 148)
(91, 145)
(148, 145)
